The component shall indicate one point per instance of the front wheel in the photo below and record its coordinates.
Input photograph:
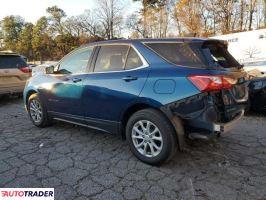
(151, 137)
(37, 112)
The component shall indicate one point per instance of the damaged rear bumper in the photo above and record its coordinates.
(216, 126)
(207, 113)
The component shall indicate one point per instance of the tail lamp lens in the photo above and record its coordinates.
(25, 69)
(206, 83)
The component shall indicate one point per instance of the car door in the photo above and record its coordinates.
(117, 79)
(64, 95)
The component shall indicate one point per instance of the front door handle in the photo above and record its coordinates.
(75, 80)
(130, 78)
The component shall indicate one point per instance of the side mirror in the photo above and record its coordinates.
(49, 70)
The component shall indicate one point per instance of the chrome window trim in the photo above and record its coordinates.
(147, 42)
(143, 60)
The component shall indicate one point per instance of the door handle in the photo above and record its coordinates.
(130, 78)
(75, 80)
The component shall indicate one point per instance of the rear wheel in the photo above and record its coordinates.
(151, 136)
(37, 112)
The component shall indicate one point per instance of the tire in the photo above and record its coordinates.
(43, 120)
(248, 106)
(139, 136)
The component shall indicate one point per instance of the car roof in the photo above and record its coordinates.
(146, 40)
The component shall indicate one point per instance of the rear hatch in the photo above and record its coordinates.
(14, 71)
(218, 65)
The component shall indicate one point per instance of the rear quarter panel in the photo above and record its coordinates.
(168, 83)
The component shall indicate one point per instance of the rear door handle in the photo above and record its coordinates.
(130, 78)
(75, 80)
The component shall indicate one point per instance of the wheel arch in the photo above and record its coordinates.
(133, 108)
(175, 121)
(28, 94)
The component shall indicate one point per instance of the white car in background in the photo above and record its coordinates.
(256, 68)
(40, 69)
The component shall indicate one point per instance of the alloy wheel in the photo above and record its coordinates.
(147, 138)
(36, 111)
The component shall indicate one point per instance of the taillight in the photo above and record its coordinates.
(206, 83)
(25, 69)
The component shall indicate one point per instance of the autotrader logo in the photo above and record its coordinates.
(27, 193)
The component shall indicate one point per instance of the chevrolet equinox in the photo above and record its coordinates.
(152, 92)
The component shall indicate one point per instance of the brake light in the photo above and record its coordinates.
(206, 83)
(25, 69)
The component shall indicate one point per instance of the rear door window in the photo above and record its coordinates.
(133, 60)
(195, 54)
(11, 61)
(111, 58)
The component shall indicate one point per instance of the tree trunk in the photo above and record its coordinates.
(250, 20)
(112, 20)
(251, 12)
(145, 9)
(242, 14)
(265, 13)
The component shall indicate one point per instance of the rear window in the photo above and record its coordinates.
(197, 54)
(8, 61)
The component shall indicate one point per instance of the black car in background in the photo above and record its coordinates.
(257, 94)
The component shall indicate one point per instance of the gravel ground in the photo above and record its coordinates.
(83, 164)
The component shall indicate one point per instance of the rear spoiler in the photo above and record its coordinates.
(216, 42)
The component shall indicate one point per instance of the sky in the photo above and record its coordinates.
(32, 10)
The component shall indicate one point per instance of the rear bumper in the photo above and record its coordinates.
(11, 90)
(225, 127)
(219, 127)
(201, 114)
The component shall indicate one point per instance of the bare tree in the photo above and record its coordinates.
(251, 51)
(72, 26)
(186, 12)
(206, 12)
(163, 17)
(265, 13)
(241, 21)
(89, 24)
(225, 13)
(109, 14)
(134, 24)
(252, 6)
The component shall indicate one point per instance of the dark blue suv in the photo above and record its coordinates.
(152, 92)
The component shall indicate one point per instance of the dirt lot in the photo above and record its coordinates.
(83, 164)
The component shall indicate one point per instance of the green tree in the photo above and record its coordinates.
(1, 38)
(41, 41)
(56, 16)
(11, 27)
(64, 44)
(24, 45)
